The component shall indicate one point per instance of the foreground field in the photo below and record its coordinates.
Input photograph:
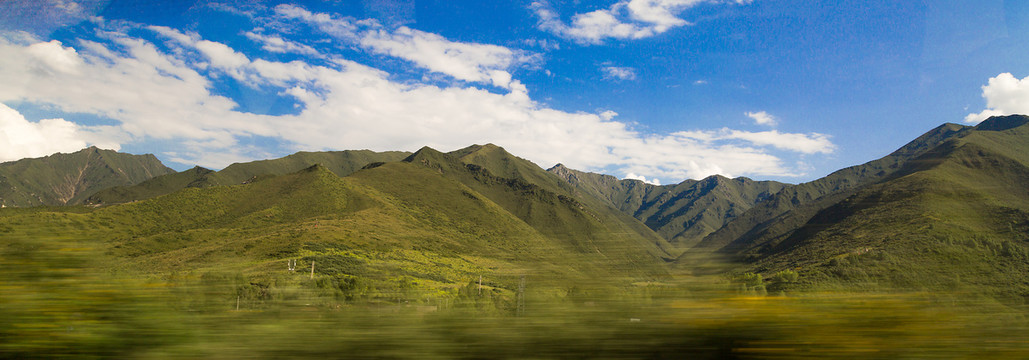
(55, 303)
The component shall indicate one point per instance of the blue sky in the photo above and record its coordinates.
(660, 90)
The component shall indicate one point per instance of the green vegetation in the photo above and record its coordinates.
(56, 303)
(341, 163)
(68, 179)
(480, 254)
(951, 220)
(683, 213)
(794, 206)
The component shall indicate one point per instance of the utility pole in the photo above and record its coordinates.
(520, 310)
(312, 269)
(480, 284)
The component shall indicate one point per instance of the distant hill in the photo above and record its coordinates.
(544, 202)
(949, 209)
(793, 206)
(683, 213)
(397, 230)
(68, 179)
(341, 163)
(955, 217)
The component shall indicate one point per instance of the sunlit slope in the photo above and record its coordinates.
(393, 223)
(342, 163)
(793, 206)
(682, 213)
(278, 218)
(63, 179)
(540, 200)
(500, 163)
(956, 217)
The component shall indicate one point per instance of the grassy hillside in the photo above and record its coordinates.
(952, 219)
(793, 206)
(341, 163)
(400, 230)
(64, 179)
(398, 250)
(537, 198)
(683, 213)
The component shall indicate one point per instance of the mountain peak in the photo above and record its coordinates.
(318, 167)
(424, 152)
(558, 167)
(1001, 123)
(477, 150)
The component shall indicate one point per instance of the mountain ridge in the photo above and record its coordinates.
(69, 178)
(682, 213)
(341, 163)
(953, 218)
(794, 205)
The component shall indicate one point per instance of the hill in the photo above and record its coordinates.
(408, 230)
(544, 202)
(67, 179)
(793, 206)
(953, 218)
(683, 213)
(342, 163)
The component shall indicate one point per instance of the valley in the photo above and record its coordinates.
(478, 253)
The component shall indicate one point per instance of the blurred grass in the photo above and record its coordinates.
(55, 302)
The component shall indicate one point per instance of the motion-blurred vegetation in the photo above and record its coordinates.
(61, 298)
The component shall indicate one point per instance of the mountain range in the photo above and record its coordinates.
(948, 210)
(68, 179)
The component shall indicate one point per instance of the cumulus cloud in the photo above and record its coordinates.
(152, 94)
(21, 138)
(1005, 95)
(626, 19)
(473, 62)
(619, 73)
(642, 178)
(762, 118)
(155, 94)
(53, 57)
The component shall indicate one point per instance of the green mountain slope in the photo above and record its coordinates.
(683, 213)
(342, 163)
(954, 218)
(392, 232)
(63, 179)
(793, 206)
(541, 200)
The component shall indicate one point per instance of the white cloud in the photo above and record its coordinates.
(54, 58)
(242, 8)
(762, 118)
(642, 178)
(1005, 95)
(277, 44)
(619, 73)
(473, 62)
(20, 138)
(626, 19)
(546, 45)
(153, 94)
(811, 143)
